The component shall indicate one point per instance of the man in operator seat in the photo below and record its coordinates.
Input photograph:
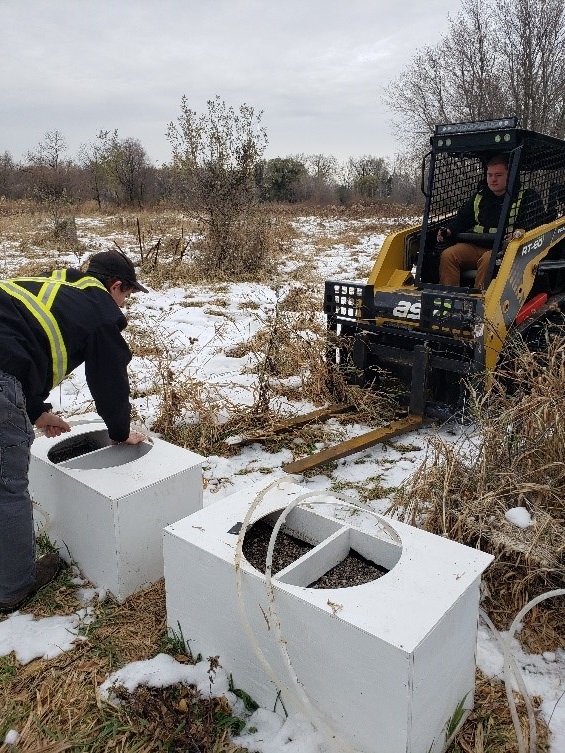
(481, 214)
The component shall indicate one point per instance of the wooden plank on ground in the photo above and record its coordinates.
(351, 446)
(315, 416)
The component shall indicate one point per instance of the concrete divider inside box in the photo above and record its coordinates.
(385, 665)
(107, 505)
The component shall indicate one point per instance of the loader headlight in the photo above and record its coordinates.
(480, 125)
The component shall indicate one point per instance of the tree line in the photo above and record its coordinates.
(116, 171)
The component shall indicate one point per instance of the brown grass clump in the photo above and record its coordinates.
(516, 457)
(53, 704)
(289, 359)
(489, 727)
(186, 254)
(180, 719)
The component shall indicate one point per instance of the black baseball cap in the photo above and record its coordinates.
(115, 264)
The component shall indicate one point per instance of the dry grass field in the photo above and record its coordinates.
(53, 703)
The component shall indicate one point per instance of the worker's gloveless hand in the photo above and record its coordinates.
(51, 424)
(134, 438)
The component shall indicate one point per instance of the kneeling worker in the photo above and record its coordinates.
(48, 327)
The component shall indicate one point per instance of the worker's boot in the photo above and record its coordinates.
(46, 568)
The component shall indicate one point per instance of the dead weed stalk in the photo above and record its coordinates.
(288, 358)
(290, 354)
(514, 457)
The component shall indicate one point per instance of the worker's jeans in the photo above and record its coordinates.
(460, 258)
(17, 540)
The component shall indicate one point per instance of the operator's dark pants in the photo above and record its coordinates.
(17, 539)
(461, 257)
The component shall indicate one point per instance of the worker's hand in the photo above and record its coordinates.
(134, 438)
(51, 424)
(513, 235)
(443, 234)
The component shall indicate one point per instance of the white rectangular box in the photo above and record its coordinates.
(107, 505)
(385, 665)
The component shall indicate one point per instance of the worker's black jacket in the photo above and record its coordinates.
(90, 322)
(530, 212)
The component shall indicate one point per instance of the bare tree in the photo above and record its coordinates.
(532, 42)
(119, 168)
(216, 154)
(50, 179)
(319, 184)
(49, 152)
(47, 170)
(368, 176)
(472, 67)
(130, 166)
(498, 58)
(7, 174)
(94, 159)
(322, 167)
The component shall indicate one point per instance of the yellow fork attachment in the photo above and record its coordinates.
(354, 445)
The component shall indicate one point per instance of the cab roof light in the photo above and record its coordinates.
(480, 125)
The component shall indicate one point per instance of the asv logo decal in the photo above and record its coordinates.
(407, 310)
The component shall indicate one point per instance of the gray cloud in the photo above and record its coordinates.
(314, 67)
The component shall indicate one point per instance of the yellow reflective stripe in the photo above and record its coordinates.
(39, 306)
(51, 285)
(514, 209)
(480, 228)
(49, 289)
(476, 205)
(47, 321)
(88, 282)
(84, 282)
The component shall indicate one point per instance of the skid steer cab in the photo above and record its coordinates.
(435, 337)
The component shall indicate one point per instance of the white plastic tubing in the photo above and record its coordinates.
(512, 671)
(305, 704)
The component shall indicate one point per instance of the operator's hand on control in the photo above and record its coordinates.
(51, 424)
(443, 234)
(134, 438)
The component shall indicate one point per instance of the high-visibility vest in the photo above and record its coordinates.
(514, 209)
(39, 306)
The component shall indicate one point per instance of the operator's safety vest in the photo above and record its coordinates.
(39, 306)
(514, 209)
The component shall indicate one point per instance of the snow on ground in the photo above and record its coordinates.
(200, 325)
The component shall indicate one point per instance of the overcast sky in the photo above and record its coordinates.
(315, 68)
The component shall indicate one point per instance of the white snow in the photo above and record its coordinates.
(518, 516)
(198, 339)
(30, 638)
